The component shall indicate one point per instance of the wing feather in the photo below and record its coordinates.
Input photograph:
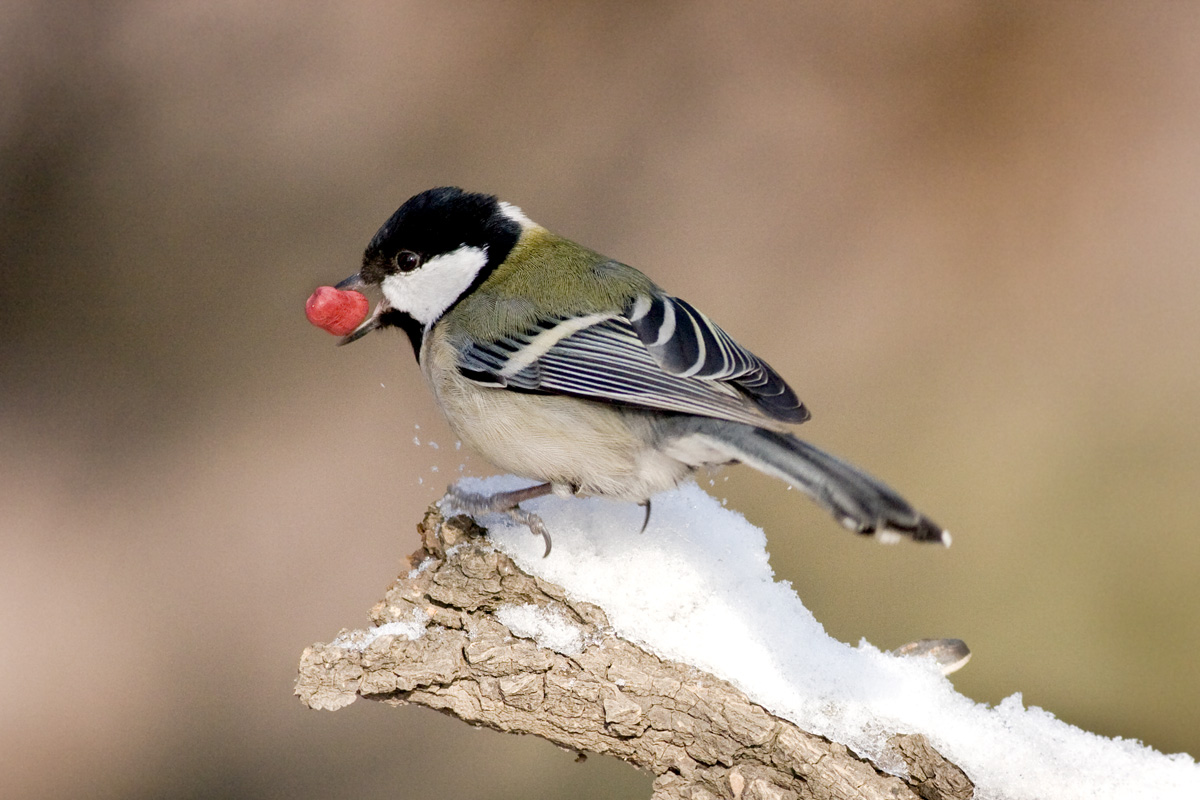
(662, 354)
(685, 342)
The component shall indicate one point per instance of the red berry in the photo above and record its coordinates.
(336, 310)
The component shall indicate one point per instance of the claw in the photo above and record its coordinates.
(535, 524)
(507, 503)
(646, 505)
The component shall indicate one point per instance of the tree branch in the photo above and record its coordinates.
(700, 736)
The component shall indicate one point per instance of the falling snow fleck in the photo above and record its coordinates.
(420, 480)
(417, 441)
(433, 468)
(458, 445)
(434, 445)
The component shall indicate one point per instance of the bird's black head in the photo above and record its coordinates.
(439, 222)
(437, 247)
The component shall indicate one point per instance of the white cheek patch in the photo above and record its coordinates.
(428, 291)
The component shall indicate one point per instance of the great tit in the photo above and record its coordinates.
(572, 369)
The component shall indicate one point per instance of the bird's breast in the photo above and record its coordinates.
(598, 448)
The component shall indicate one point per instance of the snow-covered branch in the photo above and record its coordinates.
(678, 651)
(469, 633)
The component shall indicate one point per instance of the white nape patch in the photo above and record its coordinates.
(697, 587)
(539, 345)
(549, 627)
(516, 215)
(426, 292)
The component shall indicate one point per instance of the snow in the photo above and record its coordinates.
(549, 627)
(360, 640)
(696, 587)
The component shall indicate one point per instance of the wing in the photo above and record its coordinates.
(661, 354)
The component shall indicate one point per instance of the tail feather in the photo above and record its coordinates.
(861, 503)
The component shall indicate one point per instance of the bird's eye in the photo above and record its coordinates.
(407, 261)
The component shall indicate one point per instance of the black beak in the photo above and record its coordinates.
(356, 283)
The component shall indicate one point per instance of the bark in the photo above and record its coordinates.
(698, 735)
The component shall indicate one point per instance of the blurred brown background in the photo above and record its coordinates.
(966, 232)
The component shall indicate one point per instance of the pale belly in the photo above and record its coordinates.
(581, 446)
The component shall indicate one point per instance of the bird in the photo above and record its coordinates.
(574, 370)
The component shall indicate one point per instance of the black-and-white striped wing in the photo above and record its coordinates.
(687, 343)
(690, 366)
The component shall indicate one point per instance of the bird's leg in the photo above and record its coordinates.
(506, 503)
(646, 505)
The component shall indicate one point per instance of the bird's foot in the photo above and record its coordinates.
(533, 522)
(505, 503)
